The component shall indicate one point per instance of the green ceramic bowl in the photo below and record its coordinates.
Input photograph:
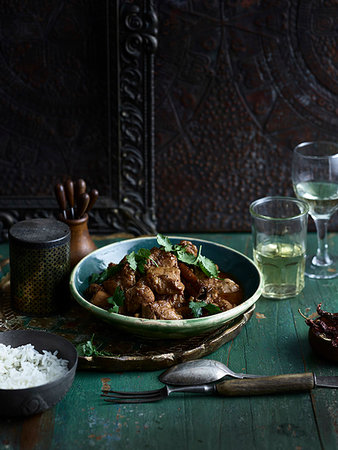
(235, 263)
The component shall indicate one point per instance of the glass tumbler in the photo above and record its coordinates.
(279, 228)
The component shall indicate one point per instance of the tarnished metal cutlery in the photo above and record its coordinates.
(208, 377)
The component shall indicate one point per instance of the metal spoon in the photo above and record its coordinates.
(199, 371)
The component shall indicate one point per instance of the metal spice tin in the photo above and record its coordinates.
(39, 266)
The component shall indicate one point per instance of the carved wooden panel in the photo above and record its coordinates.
(238, 85)
(76, 89)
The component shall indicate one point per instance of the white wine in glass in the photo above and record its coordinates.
(315, 180)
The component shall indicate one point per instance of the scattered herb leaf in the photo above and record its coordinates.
(139, 259)
(185, 257)
(116, 300)
(89, 349)
(196, 308)
(164, 242)
(131, 258)
(213, 309)
(142, 257)
(207, 266)
(109, 272)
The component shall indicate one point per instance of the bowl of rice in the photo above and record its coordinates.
(37, 369)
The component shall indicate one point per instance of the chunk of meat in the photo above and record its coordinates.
(100, 299)
(189, 247)
(165, 280)
(160, 310)
(160, 258)
(125, 278)
(224, 292)
(92, 289)
(193, 286)
(179, 302)
(176, 300)
(138, 296)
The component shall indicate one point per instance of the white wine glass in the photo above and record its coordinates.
(315, 180)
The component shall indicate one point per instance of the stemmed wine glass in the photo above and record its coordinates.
(315, 180)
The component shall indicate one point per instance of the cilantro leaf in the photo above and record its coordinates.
(143, 253)
(89, 349)
(164, 242)
(196, 308)
(116, 300)
(207, 266)
(114, 309)
(213, 309)
(139, 259)
(109, 272)
(131, 258)
(185, 257)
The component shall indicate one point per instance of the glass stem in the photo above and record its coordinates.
(322, 257)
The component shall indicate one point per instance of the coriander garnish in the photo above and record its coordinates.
(207, 266)
(109, 272)
(196, 308)
(116, 300)
(139, 259)
(89, 349)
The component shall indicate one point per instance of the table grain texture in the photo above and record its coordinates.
(275, 341)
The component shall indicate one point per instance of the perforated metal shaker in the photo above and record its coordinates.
(39, 266)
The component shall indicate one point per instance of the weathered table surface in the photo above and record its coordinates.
(273, 342)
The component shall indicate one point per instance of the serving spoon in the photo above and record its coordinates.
(199, 371)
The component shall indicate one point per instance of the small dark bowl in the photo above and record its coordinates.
(34, 400)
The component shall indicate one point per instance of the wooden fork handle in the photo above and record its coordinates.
(267, 385)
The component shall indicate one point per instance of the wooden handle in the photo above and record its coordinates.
(94, 194)
(82, 204)
(61, 198)
(79, 187)
(267, 385)
(69, 188)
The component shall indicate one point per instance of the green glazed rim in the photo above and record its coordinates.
(167, 328)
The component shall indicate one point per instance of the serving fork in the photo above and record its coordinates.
(236, 387)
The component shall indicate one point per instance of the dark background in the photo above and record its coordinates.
(237, 85)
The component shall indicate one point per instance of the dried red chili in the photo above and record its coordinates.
(333, 316)
(324, 325)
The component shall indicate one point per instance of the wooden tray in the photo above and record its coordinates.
(128, 352)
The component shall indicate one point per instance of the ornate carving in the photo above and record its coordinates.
(61, 118)
(138, 44)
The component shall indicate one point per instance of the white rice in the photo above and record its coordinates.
(24, 367)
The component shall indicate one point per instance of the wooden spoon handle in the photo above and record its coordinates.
(267, 385)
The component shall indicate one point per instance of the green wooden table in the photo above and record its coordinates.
(273, 342)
